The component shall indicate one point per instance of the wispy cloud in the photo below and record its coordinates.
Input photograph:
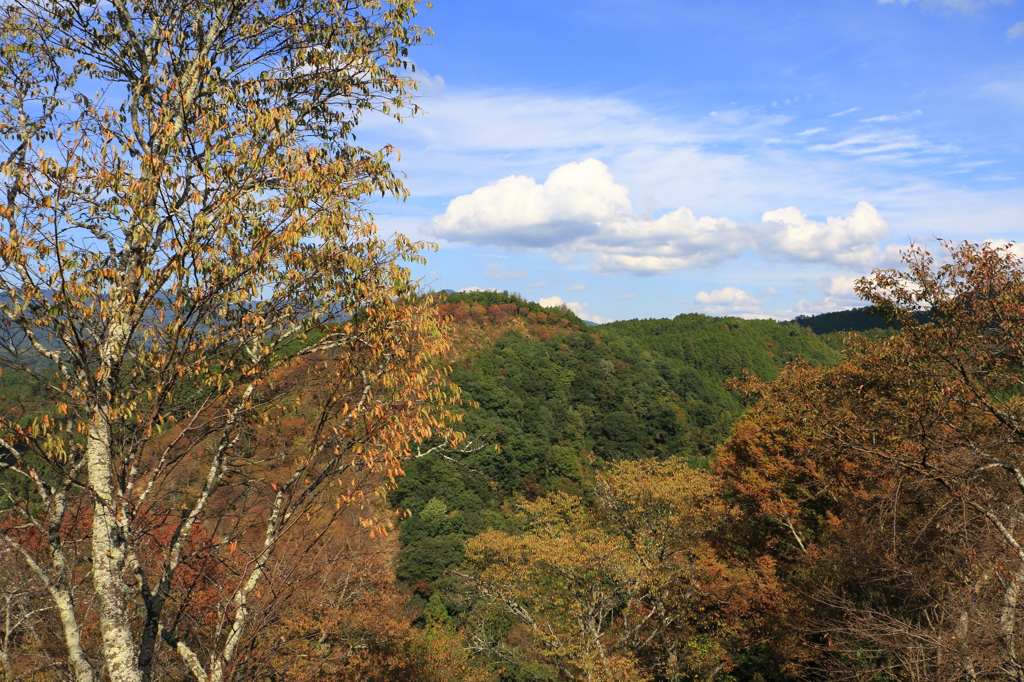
(1015, 31)
(893, 117)
(811, 131)
(844, 113)
(882, 143)
(963, 6)
(496, 271)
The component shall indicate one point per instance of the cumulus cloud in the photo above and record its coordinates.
(826, 305)
(579, 308)
(838, 295)
(580, 209)
(676, 241)
(728, 299)
(1016, 248)
(516, 211)
(731, 301)
(853, 240)
(841, 286)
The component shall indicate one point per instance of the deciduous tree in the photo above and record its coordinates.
(222, 342)
(890, 488)
(637, 587)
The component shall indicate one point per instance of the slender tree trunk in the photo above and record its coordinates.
(1008, 622)
(109, 557)
(72, 634)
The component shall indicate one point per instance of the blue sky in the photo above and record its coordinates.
(733, 157)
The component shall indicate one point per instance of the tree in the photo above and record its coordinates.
(222, 344)
(637, 587)
(349, 621)
(890, 487)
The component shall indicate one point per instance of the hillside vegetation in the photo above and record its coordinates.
(548, 401)
(646, 500)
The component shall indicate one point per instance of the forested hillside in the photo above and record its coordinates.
(240, 443)
(646, 500)
(548, 401)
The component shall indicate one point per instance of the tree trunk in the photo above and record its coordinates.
(109, 555)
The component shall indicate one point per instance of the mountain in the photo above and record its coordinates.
(549, 399)
(856, 320)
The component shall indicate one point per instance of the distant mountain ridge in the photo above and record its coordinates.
(856, 320)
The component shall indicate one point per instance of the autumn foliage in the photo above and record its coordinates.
(223, 357)
(637, 587)
(889, 487)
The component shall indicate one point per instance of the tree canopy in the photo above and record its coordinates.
(186, 261)
(889, 487)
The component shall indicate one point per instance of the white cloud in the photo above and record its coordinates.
(965, 6)
(579, 308)
(811, 131)
(826, 305)
(840, 286)
(734, 297)
(770, 291)
(893, 117)
(427, 83)
(576, 287)
(729, 301)
(890, 144)
(498, 271)
(516, 211)
(676, 241)
(844, 113)
(1016, 248)
(1015, 31)
(788, 233)
(839, 295)
(580, 209)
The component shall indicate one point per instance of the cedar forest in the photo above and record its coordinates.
(238, 442)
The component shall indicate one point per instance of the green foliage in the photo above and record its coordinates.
(542, 412)
(638, 586)
(436, 614)
(868, 321)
